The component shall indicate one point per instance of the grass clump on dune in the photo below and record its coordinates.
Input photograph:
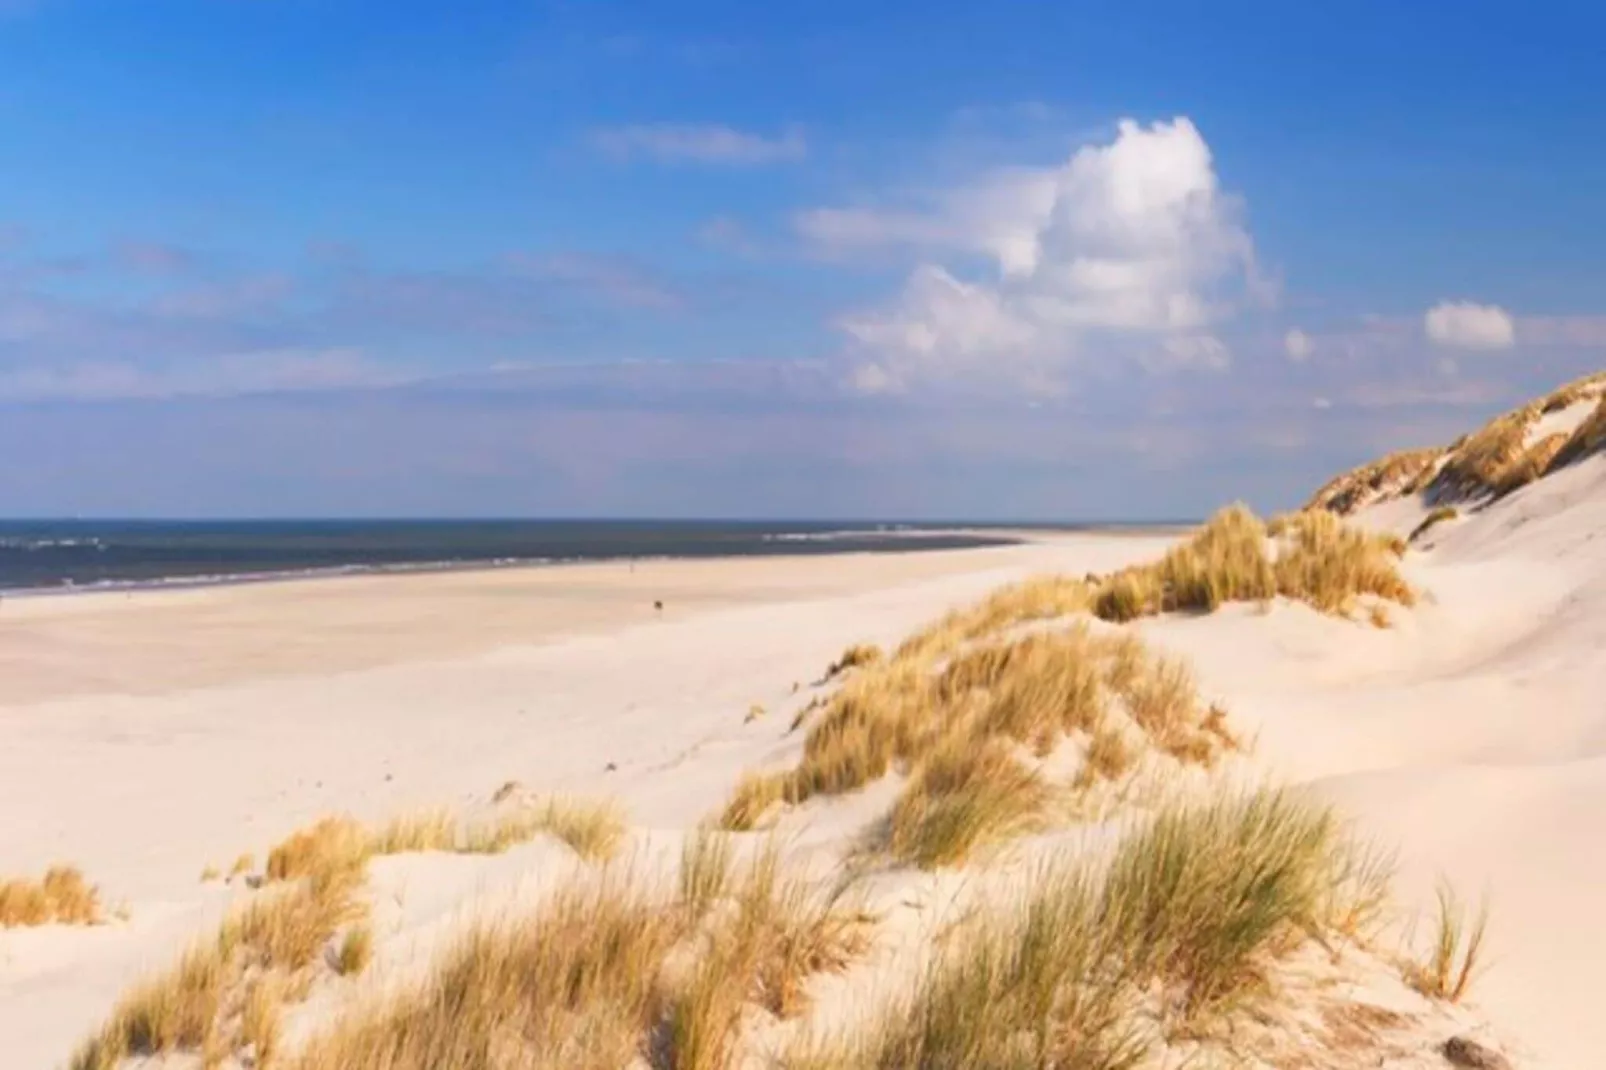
(572, 985)
(1531, 464)
(1586, 438)
(1406, 470)
(1328, 564)
(1204, 894)
(591, 829)
(1438, 516)
(1310, 557)
(1451, 964)
(587, 980)
(61, 897)
(779, 932)
(1034, 986)
(856, 656)
(1040, 598)
(962, 795)
(955, 726)
(1095, 966)
(271, 947)
(1479, 463)
(274, 941)
(1225, 561)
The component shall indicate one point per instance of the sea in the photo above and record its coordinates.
(39, 556)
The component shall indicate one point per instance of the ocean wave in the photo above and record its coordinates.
(227, 579)
(889, 531)
(30, 544)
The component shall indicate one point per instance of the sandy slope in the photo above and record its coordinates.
(245, 712)
(1472, 734)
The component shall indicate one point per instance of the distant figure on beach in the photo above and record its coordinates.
(659, 606)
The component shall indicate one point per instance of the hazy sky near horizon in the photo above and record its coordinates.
(904, 260)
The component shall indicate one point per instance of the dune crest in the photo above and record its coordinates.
(1509, 452)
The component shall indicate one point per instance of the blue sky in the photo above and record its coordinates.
(1007, 260)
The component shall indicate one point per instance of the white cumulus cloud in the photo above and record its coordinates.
(1298, 345)
(708, 143)
(1468, 325)
(1129, 249)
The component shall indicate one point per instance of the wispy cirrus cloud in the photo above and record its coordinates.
(616, 279)
(150, 323)
(729, 235)
(705, 143)
(153, 258)
(223, 375)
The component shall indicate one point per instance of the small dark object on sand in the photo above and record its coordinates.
(659, 606)
(610, 767)
(1460, 1051)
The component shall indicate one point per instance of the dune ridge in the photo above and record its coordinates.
(951, 820)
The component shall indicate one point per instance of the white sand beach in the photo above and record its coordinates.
(148, 735)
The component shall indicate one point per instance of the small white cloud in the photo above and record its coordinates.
(700, 143)
(1468, 325)
(1321, 403)
(1298, 345)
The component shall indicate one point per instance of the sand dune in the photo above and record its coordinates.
(150, 736)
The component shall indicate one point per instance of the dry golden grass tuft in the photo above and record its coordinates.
(1312, 557)
(61, 897)
(1328, 564)
(219, 999)
(1205, 894)
(426, 830)
(242, 866)
(1495, 460)
(1481, 461)
(1033, 986)
(572, 985)
(1093, 968)
(592, 830)
(780, 932)
(705, 871)
(333, 844)
(1531, 464)
(954, 725)
(261, 955)
(356, 950)
(585, 980)
(1438, 516)
(1406, 470)
(755, 797)
(964, 794)
(1586, 438)
(1038, 599)
(854, 657)
(1109, 756)
(1452, 964)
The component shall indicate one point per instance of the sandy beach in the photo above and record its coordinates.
(148, 735)
(175, 729)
